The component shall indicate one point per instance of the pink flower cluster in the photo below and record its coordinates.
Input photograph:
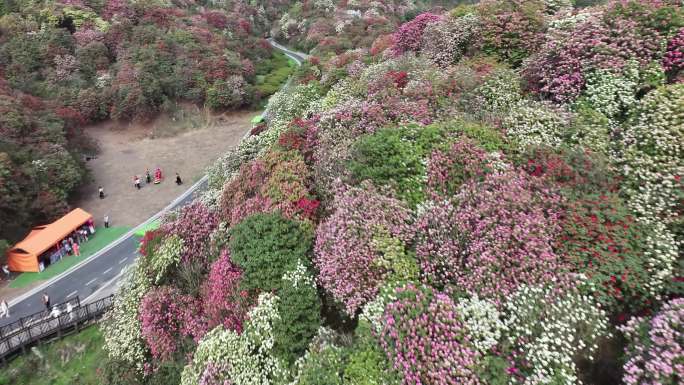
(194, 224)
(410, 35)
(224, 302)
(499, 236)
(166, 317)
(655, 353)
(426, 340)
(673, 60)
(343, 252)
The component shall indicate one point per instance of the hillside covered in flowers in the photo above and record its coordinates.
(485, 194)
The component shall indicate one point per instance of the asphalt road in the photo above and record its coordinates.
(97, 276)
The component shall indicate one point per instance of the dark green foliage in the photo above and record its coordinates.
(367, 364)
(394, 157)
(299, 308)
(323, 367)
(265, 246)
(272, 73)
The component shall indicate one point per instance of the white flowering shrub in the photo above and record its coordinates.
(500, 93)
(651, 154)
(289, 103)
(483, 322)
(446, 41)
(121, 325)
(535, 123)
(548, 328)
(246, 359)
(661, 253)
(610, 94)
(166, 256)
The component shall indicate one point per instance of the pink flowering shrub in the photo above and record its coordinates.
(499, 235)
(461, 162)
(410, 35)
(225, 303)
(194, 223)
(344, 253)
(426, 340)
(655, 350)
(167, 318)
(673, 61)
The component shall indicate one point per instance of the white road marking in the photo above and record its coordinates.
(123, 260)
(107, 271)
(73, 293)
(91, 281)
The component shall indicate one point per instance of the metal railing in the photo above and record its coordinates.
(48, 326)
(33, 318)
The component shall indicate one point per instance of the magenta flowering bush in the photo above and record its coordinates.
(655, 350)
(344, 253)
(225, 303)
(167, 318)
(673, 60)
(426, 340)
(499, 235)
(461, 162)
(193, 224)
(410, 35)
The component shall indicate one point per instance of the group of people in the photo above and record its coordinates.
(70, 245)
(54, 311)
(137, 183)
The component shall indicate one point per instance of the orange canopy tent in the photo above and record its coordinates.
(24, 255)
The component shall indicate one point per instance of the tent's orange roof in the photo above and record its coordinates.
(42, 238)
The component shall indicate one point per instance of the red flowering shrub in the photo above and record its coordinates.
(410, 35)
(167, 318)
(150, 241)
(601, 240)
(224, 302)
(193, 224)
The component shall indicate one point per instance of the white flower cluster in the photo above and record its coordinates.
(483, 322)
(121, 326)
(568, 21)
(324, 5)
(535, 123)
(661, 252)
(500, 93)
(166, 256)
(552, 328)
(299, 276)
(373, 310)
(247, 357)
(289, 103)
(610, 94)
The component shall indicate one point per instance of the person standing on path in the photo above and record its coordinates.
(77, 250)
(4, 309)
(46, 301)
(69, 310)
(5, 269)
(101, 192)
(148, 176)
(136, 181)
(106, 221)
(178, 180)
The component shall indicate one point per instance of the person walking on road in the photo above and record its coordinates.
(178, 180)
(101, 192)
(5, 269)
(136, 181)
(46, 301)
(106, 221)
(4, 309)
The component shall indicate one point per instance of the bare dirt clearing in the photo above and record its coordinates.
(129, 149)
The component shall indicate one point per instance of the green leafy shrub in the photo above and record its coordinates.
(265, 246)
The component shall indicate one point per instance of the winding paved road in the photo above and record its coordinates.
(98, 275)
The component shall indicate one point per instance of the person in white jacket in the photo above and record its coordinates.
(4, 309)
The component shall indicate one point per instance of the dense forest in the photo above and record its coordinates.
(446, 194)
